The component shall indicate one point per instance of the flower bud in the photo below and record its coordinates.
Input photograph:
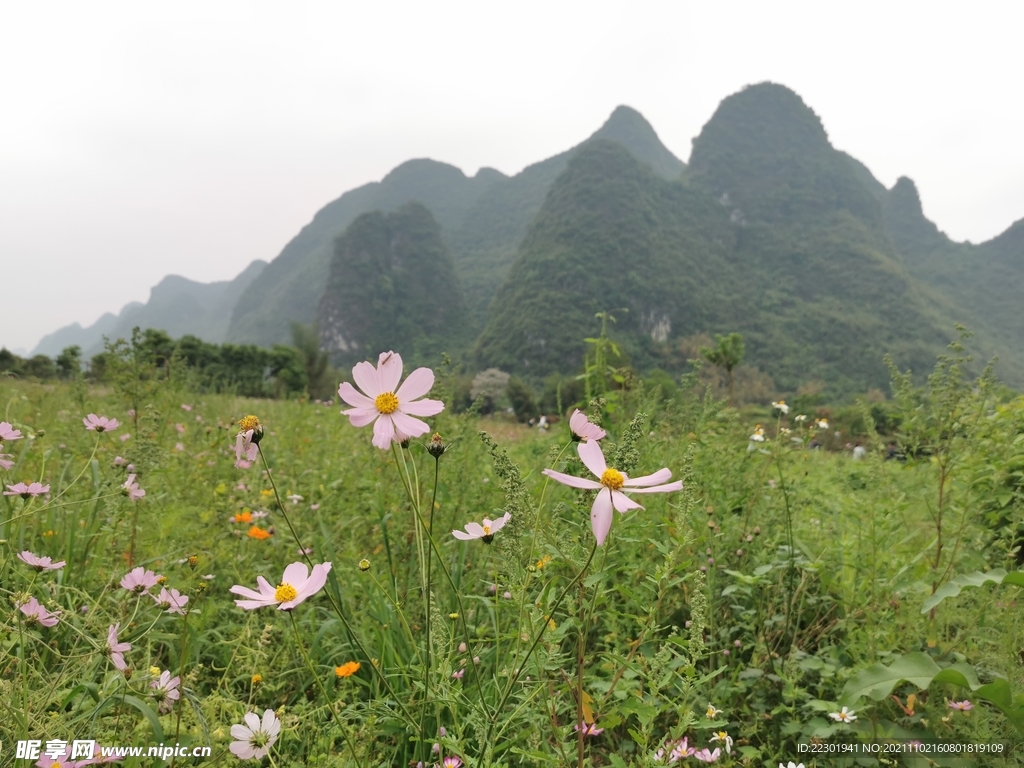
(436, 447)
(364, 565)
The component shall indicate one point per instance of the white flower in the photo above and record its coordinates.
(844, 716)
(713, 712)
(801, 417)
(725, 738)
(822, 423)
(758, 436)
(781, 406)
(255, 738)
(791, 765)
(297, 584)
(483, 531)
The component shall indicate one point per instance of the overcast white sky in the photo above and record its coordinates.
(142, 139)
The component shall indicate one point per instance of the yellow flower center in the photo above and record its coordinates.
(487, 530)
(249, 422)
(386, 402)
(285, 592)
(612, 479)
(154, 671)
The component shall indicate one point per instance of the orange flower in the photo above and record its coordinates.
(242, 517)
(347, 669)
(258, 533)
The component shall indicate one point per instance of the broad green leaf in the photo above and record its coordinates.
(877, 681)
(953, 587)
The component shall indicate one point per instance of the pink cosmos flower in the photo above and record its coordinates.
(119, 461)
(8, 432)
(63, 760)
(165, 688)
(140, 580)
(126, 437)
(116, 649)
(485, 531)
(244, 446)
(452, 762)
(100, 423)
(392, 407)
(680, 750)
(314, 507)
(254, 739)
(40, 563)
(588, 729)
(963, 706)
(172, 600)
(179, 447)
(582, 428)
(180, 428)
(134, 491)
(27, 491)
(458, 674)
(707, 756)
(297, 584)
(35, 612)
(5, 458)
(612, 487)
(186, 407)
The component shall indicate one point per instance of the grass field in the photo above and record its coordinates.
(780, 585)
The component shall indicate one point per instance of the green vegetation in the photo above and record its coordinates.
(779, 585)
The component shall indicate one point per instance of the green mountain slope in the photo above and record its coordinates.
(291, 287)
(984, 282)
(392, 285)
(482, 220)
(771, 232)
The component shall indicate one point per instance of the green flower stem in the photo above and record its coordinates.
(323, 690)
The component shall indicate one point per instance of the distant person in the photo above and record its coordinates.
(542, 423)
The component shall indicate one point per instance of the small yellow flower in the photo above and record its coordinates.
(453, 616)
(543, 561)
(347, 669)
(258, 533)
(249, 422)
(713, 712)
(193, 561)
(257, 679)
(266, 492)
(154, 671)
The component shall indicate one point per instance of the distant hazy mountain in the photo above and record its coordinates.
(176, 305)
(482, 220)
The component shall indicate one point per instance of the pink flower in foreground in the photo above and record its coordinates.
(8, 432)
(27, 491)
(707, 756)
(172, 600)
(139, 580)
(582, 428)
(588, 730)
(116, 649)
(35, 612)
(100, 423)
(389, 407)
(963, 706)
(165, 688)
(483, 531)
(612, 487)
(680, 750)
(5, 458)
(63, 760)
(297, 584)
(254, 739)
(134, 491)
(40, 563)
(452, 762)
(247, 447)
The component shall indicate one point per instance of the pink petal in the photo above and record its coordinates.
(354, 397)
(623, 503)
(296, 574)
(408, 426)
(316, 581)
(243, 750)
(463, 536)
(500, 522)
(416, 385)
(676, 486)
(383, 432)
(658, 477)
(601, 516)
(592, 457)
(366, 379)
(271, 725)
(574, 482)
(389, 371)
(361, 417)
(475, 530)
(421, 407)
(238, 589)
